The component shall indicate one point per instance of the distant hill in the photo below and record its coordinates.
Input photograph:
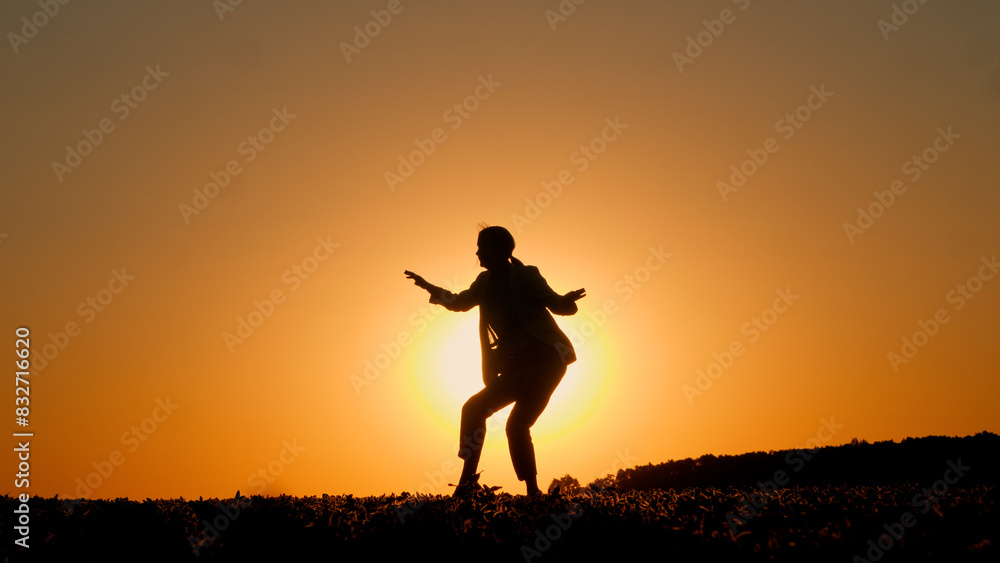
(968, 460)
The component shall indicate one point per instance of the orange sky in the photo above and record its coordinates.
(206, 216)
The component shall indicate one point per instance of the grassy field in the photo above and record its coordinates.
(903, 522)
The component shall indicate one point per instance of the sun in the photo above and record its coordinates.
(457, 366)
(445, 367)
(445, 370)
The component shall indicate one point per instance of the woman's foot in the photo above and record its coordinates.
(533, 490)
(467, 487)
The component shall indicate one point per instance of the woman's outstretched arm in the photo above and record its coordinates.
(439, 296)
(539, 290)
(567, 303)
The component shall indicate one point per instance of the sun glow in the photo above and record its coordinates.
(445, 370)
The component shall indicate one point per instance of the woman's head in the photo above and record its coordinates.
(497, 237)
(496, 245)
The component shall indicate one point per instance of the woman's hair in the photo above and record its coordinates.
(499, 237)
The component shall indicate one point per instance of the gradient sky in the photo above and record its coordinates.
(723, 314)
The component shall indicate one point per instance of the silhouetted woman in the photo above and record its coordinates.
(525, 354)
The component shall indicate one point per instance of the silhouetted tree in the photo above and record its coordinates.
(607, 482)
(568, 485)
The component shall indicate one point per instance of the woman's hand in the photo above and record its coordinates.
(418, 281)
(567, 303)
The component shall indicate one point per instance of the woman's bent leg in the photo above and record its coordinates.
(472, 434)
(532, 399)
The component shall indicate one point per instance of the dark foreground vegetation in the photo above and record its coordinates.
(949, 515)
(858, 463)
